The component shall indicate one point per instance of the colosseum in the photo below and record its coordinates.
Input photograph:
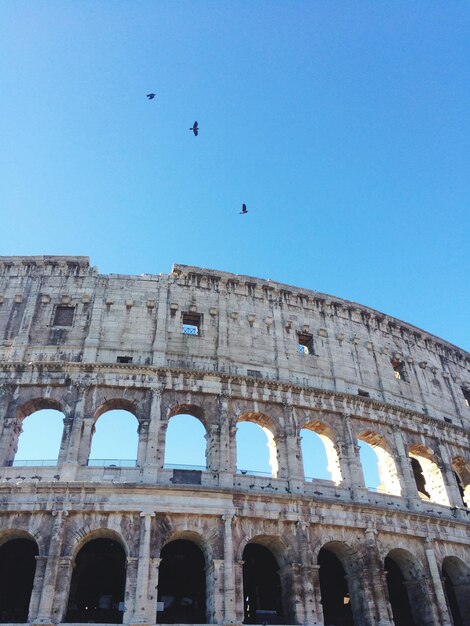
(150, 543)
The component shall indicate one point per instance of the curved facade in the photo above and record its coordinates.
(149, 543)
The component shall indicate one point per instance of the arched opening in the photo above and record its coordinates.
(378, 466)
(262, 591)
(335, 597)
(181, 584)
(98, 583)
(397, 594)
(257, 451)
(456, 576)
(319, 455)
(17, 569)
(115, 439)
(407, 591)
(428, 476)
(40, 439)
(185, 442)
(461, 471)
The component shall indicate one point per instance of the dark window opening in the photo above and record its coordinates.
(466, 396)
(181, 584)
(191, 324)
(448, 420)
(364, 394)
(98, 583)
(124, 359)
(305, 343)
(334, 590)
(398, 595)
(262, 593)
(17, 569)
(457, 599)
(63, 315)
(419, 477)
(254, 373)
(399, 369)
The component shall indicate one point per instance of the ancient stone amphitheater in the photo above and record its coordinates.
(147, 544)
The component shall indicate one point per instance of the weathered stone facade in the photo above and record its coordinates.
(260, 351)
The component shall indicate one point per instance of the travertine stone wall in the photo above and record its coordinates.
(243, 364)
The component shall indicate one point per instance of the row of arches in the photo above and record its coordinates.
(98, 585)
(115, 438)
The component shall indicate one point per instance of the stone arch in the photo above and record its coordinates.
(23, 412)
(190, 535)
(103, 431)
(18, 552)
(197, 413)
(117, 404)
(38, 404)
(461, 469)
(271, 430)
(456, 579)
(98, 582)
(329, 438)
(268, 582)
(341, 584)
(434, 486)
(407, 589)
(388, 473)
(186, 581)
(83, 536)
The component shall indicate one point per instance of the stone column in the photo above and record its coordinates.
(315, 574)
(214, 594)
(349, 451)
(92, 340)
(239, 595)
(130, 591)
(62, 591)
(213, 448)
(292, 602)
(441, 604)
(230, 612)
(450, 482)
(21, 341)
(148, 440)
(292, 451)
(44, 615)
(310, 615)
(143, 609)
(41, 562)
(87, 430)
(409, 489)
(153, 586)
(9, 440)
(227, 467)
(375, 582)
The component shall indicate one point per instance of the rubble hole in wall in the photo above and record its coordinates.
(461, 470)
(425, 468)
(17, 569)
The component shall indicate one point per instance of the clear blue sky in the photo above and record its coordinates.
(343, 125)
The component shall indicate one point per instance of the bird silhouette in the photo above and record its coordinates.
(151, 96)
(195, 129)
(244, 210)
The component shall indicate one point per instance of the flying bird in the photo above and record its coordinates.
(244, 210)
(195, 129)
(151, 96)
